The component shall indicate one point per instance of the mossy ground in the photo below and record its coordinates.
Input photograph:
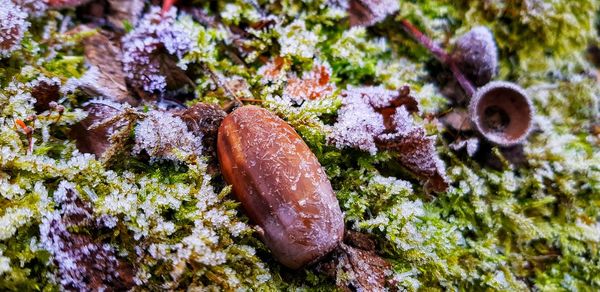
(532, 226)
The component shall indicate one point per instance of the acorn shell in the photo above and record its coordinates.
(502, 112)
(281, 185)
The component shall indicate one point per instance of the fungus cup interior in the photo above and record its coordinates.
(502, 113)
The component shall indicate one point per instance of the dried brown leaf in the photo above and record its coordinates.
(365, 270)
(67, 3)
(416, 151)
(125, 10)
(106, 129)
(106, 77)
(203, 120)
(45, 92)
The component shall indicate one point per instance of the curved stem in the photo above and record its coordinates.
(440, 54)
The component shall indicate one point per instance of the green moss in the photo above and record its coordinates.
(516, 228)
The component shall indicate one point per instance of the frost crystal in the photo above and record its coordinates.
(32, 7)
(470, 144)
(83, 263)
(373, 118)
(296, 40)
(369, 12)
(146, 49)
(12, 219)
(162, 135)
(4, 264)
(13, 25)
(358, 121)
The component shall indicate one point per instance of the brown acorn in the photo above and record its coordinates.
(502, 113)
(281, 185)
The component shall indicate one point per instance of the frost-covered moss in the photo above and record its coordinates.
(175, 225)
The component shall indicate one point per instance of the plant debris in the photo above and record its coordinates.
(374, 119)
(109, 121)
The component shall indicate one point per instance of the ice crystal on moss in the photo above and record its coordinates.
(13, 25)
(12, 219)
(33, 7)
(358, 123)
(82, 262)
(297, 40)
(4, 264)
(165, 136)
(155, 38)
(355, 48)
(527, 227)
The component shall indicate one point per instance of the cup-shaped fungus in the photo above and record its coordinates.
(502, 113)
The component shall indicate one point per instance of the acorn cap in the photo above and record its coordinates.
(476, 55)
(502, 112)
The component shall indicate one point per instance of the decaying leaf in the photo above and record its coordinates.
(373, 118)
(364, 270)
(84, 262)
(125, 10)
(203, 119)
(106, 129)
(105, 78)
(45, 91)
(313, 85)
(417, 152)
(67, 3)
(355, 265)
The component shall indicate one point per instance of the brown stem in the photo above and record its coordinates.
(462, 79)
(440, 54)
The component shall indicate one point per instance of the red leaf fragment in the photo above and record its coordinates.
(313, 85)
(274, 69)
